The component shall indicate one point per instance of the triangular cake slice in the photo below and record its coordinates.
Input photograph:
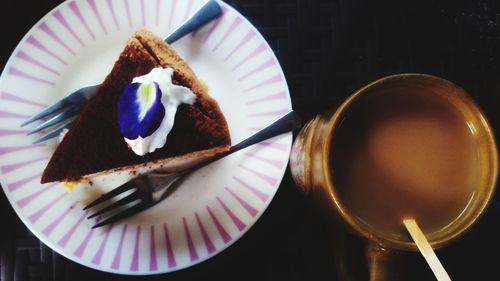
(94, 144)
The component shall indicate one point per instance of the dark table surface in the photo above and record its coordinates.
(328, 49)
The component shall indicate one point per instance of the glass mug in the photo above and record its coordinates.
(312, 166)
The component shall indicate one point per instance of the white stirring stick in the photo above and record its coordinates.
(426, 250)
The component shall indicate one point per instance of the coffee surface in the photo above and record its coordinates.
(404, 153)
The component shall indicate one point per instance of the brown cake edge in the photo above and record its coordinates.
(164, 165)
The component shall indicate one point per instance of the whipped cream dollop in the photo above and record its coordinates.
(147, 107)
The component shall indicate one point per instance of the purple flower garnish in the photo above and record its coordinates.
(140, 110)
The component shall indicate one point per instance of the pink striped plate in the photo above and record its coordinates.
(76, 44)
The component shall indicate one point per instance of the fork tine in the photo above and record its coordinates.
(47, 111)
(127, 213)
(54, 133)
(54, 120)
(127, 199)
(120, 189)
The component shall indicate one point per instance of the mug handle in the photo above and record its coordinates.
(382, 264)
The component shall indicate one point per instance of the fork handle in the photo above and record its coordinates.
(286, 123)
(206, 13)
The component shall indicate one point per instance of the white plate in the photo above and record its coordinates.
(76, 44)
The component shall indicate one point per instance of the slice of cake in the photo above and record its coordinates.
(95, 142)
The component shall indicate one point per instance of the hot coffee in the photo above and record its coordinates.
(404, 152)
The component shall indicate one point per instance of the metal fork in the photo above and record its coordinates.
(152, 188)
(70, 106)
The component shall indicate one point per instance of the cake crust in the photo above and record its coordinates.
(94, 144)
